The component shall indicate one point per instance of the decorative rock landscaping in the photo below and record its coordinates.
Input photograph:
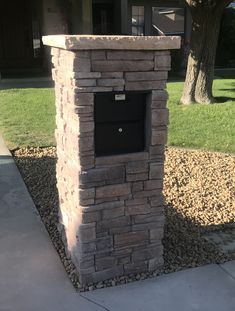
(200, 197)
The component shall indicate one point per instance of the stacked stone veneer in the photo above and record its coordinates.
(111, 208)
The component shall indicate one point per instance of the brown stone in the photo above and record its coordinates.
(160, 117)
(147, 253)
(110, 82)
(145, 85)
(136, 267)
(113, 191)
(162, 62)
(136, 177)
(105, 263)
(156, 171)
(146, 76)
(153, 184)
(159, 95)
(131, 239)
(137, 209)
(87, 232)
(113, 213)
(122, 65)
(137, 167)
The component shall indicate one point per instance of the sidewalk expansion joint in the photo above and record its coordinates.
(90, 300)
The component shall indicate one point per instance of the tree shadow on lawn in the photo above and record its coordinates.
(223, 99)
(184, 244)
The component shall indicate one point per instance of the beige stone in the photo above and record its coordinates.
(130, 55)
(91, 42)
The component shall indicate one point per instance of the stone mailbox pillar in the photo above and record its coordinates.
(111, 203)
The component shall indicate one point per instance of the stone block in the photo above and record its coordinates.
(86, 144)
(105, 263)
(87, 193)
(80, 65)
(113, 213)
(147, 226)
(156, 234)
(113, 190)
(104, 244)
(93, 89)
(122, 65)
(98, 55)
(136, 202)
(122, 158)
(160, 117)
(102, 206)
(109, 175)
(137, 209)
(159, 137)
(84, 82)
(86, 232)
(85, 75)
(146, 194)
(136, 177)
(153, 184)
(91, 217)
(137, 186)
(157, 104)
(86, 248)
(110, 82)
(119, 222)
(162, 62)
(156, 264)
(83, 99)
(88, 110)
(130, 55)
(145, 85)
(156, 171)
(101, 275)
(159, 95)
(137, 167)
(112, 75)
(157, 150)
(117, 230)
(147, 253)
(85, 262)
(131, 239)
(136, 267)
(149, 218)
(157, 201)
(146, 76)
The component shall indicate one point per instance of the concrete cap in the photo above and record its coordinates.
(91, 42)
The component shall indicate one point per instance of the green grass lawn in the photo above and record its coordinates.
(210, 127)
(27, 118)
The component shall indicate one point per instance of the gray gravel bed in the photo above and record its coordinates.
(199, 188)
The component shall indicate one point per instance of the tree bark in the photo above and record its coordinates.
(204, 39)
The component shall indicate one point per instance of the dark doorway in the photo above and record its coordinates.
(103, 18)
(16, 35)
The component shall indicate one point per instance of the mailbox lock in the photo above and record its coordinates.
(120, 130)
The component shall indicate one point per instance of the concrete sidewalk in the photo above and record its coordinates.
(32, 277)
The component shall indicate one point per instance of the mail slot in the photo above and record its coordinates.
(119, 122)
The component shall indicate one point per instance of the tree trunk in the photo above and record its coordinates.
(200, 69)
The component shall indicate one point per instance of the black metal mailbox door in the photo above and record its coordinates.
(119, 123)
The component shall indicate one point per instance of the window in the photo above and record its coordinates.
(167, 21)
(138, 20)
